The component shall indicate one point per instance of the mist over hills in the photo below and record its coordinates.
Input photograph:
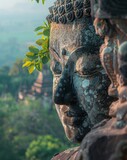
(17, 26)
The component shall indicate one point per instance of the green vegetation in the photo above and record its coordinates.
(43, 1)
(29, 130)
(36, 57)
(44, 148)
(13, 79)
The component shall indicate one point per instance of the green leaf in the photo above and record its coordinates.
(27, 64)
(39, 33)
(33, 49)
(38, 28)
(46, 32)
(45, 59)
(39, 42)
(31, 69)
(38, 66)
(35, 56)
(46, 24)
(37, 1)
(29, 54)
(43, 51)
(45, 44)
(25, 59)
(43, 37)
(43, 1)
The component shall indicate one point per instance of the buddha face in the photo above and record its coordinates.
(80, 83)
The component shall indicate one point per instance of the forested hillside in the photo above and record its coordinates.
(29, 130)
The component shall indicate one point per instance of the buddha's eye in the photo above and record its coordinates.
(56, 68)
(88, 72)
(88, 66)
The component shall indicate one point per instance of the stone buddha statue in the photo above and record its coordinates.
(80, 83)
(108, 141)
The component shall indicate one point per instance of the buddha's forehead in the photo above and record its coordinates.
(71, 36)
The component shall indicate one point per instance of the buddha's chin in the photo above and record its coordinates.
(73, 123)
(73, 133)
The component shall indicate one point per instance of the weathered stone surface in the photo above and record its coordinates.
(67, 11)
(110, 22)
(104, 142)
(80, 83)
(68, 154)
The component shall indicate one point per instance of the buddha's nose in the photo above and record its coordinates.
(64, 93)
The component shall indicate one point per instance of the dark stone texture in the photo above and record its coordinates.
(104, 142)
(68, 11)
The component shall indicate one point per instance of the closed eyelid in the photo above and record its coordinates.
(84, 66)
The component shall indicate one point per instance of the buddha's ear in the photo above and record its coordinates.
(55, 55)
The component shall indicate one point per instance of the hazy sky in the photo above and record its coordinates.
(8, 5)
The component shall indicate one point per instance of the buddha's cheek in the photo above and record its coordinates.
(79, 84)
(92, 95)
(86, 91)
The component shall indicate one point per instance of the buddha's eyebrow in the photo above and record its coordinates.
(55, 55)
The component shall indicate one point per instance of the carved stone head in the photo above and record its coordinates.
(110, 22)
(80, 83)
